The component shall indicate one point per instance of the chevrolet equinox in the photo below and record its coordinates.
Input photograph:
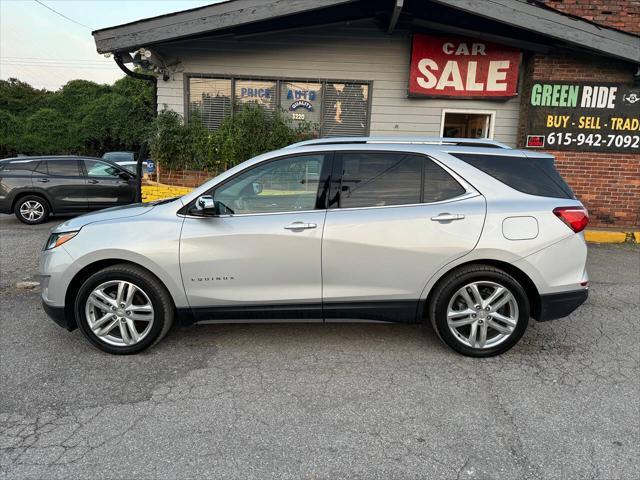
(470, 235)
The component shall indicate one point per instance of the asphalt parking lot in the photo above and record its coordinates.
(317, 401)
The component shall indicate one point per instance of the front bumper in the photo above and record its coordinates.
(59, 315)
(558, 305)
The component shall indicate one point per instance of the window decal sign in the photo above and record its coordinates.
(461, 67)
(302, 101)
(301, 104)
(298, 94)
(255, 92)
(582, 116)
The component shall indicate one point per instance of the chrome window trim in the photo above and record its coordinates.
(470, 191)
(464, 196)
(252, 214)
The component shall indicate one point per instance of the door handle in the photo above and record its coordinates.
(300, 226)
(447, 217)
(92, 181)
(43, 180)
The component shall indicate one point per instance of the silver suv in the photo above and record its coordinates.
(471, 235)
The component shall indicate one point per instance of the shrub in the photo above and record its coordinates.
(250, 132)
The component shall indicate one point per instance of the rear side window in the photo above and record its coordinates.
(64, 168)
(438, 184)
(534, 176)
(376, 179)
(380, 179)
(20, 167)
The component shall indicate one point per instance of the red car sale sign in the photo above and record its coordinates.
(462, 67)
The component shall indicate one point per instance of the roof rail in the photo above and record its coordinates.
(464, 142)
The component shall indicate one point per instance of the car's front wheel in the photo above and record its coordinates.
(480, 310)
(32, 210)
(123, 309)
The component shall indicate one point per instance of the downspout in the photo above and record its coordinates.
(143, 148)
(140, 76)
(395, 15)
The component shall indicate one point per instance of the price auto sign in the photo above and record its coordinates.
(464, 68)
(594, 117)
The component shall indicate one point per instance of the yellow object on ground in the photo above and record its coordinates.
(605, 236)
(159, 191)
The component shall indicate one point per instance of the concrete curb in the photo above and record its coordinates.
(605, 236)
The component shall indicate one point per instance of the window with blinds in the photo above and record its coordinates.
(335, 109)
(210, 99)
(260, 92)
(346, 111)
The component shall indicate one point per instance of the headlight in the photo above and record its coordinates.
(57, 239)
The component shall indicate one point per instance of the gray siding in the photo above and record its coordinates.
(355, 52)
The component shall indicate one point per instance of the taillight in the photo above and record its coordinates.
(576, 218)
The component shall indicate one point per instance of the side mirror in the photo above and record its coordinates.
(257, 188)
(126, 176)
(205, 204)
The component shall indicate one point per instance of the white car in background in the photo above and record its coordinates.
(127, 161)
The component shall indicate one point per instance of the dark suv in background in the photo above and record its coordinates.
(36, 187)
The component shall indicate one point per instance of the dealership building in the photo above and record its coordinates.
(552, 75)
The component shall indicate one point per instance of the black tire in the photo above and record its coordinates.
(156, 292)
(34, 199)
(446, 290)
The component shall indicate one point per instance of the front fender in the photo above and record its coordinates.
(151, 241)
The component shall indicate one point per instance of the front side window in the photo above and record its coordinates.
(63, 168)
(380, 179)
(285, 185)
(101, 169)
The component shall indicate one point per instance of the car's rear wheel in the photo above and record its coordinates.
(31, 209)
(123, 309)
(480, 310)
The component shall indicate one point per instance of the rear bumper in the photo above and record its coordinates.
(558, 305)
(58, 315)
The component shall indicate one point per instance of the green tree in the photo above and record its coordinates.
(9, 133)
(253, 131)
(91, 118)
(20, 98)
(44, 131)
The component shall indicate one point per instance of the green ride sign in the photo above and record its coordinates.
(592, 117)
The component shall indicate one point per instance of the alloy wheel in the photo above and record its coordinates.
(119, 313)
(32, 210)
(482, 314)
